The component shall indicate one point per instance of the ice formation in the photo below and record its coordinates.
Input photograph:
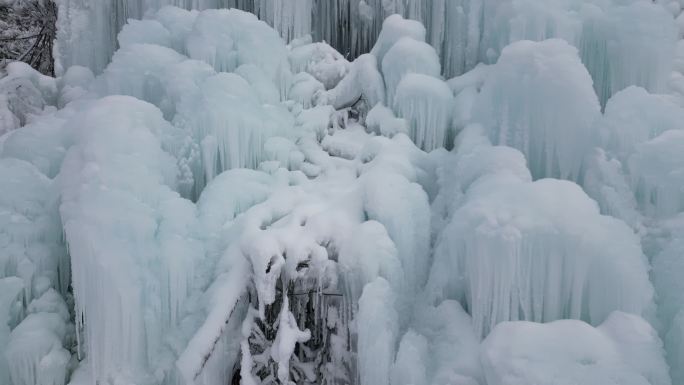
(512, 251)
(551, 113)
(407, 192)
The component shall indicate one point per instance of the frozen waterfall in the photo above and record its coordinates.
(346, 192)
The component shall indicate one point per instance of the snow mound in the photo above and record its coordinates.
(623, 350)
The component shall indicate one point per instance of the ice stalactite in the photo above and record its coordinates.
(404, 57)
(502, 249)
(36, 330)
(127, 296)
(619, 54)
(35, 352)
(378, 329)
(667, 266)
(634, 116)
(593, 279)
(632, 119)
(656, 174)
(209, 137)
(425, 103)
(552, 121)
(10, 312)
(291, 18)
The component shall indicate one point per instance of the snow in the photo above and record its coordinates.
(144, 32)
(382, 121)
(394, 28)
(286, 339)
(24, 94)
(569, 351)
(364, 82)
(321, 61)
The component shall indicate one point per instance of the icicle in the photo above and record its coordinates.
(425, 103)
